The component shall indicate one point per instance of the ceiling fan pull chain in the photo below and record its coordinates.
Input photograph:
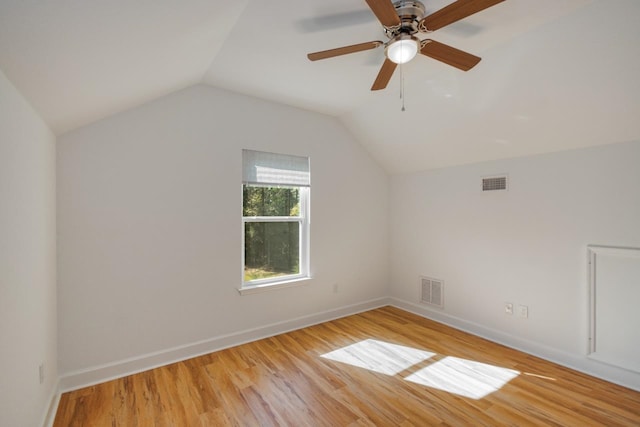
(402, 86)
(401, 80)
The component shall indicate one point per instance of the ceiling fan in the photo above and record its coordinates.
(401, 21)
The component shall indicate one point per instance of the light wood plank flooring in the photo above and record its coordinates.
(384, 367)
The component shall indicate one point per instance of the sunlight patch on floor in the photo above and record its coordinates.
(544, 377)
(379, 356)
(463, 377)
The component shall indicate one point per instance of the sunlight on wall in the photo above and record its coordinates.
(463, 377)
(379, 356)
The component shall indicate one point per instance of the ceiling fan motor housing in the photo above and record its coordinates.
(410, 13)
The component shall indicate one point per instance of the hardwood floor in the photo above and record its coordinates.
(384, 367)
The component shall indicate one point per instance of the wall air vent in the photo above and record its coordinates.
(432, 291)
(494, 183)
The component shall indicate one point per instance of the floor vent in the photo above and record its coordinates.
(494, 183)
(432, 291)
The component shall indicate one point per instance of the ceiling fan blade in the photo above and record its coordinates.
(385, 12)
(449, 55)
(388, 67)
(454, 12)
(344, 50)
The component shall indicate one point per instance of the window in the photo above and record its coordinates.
(275, 219)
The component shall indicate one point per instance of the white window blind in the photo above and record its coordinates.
(261, 168)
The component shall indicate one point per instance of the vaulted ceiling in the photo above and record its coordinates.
(554, 75)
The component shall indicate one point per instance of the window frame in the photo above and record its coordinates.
(258, 285)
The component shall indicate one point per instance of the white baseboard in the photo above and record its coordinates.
(580, 363)
(99, 374)
(50, 414)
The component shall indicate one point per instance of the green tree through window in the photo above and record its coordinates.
(271, 248)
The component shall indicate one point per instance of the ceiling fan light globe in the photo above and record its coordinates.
(402, 50)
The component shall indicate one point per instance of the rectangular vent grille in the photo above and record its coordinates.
(494, 183)
(432, 291)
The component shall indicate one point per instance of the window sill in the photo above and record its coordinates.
(254, 289)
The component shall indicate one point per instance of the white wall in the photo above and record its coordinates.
(149, 218)
(526, 246)
(27, 261)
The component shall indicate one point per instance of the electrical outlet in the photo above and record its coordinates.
(508, 308)
(335, 288)
(523, 310)
(41, 372)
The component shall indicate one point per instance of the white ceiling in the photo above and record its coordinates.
(555, 74)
